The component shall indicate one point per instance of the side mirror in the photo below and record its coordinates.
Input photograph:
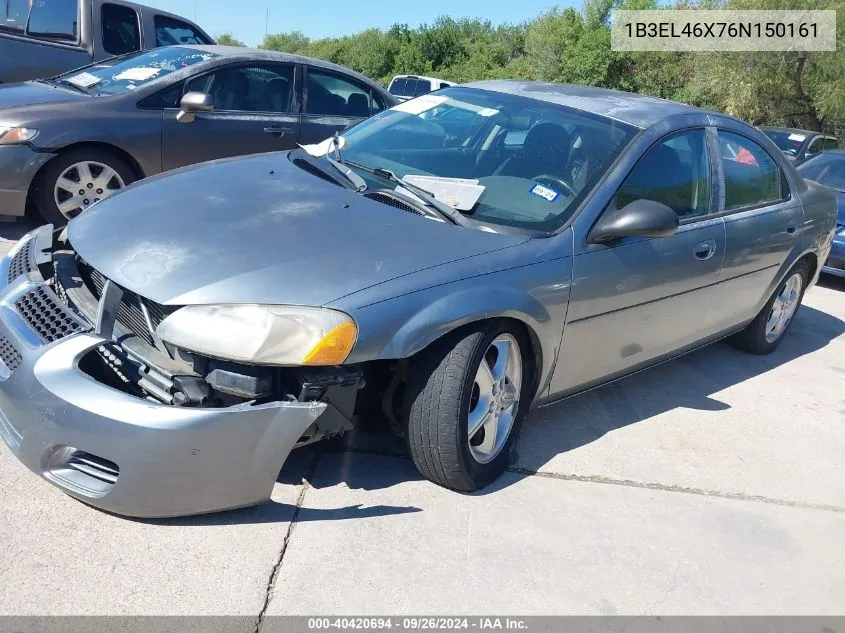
(192, 103)
(640, 218)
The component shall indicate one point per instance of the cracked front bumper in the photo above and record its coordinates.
(125, 454)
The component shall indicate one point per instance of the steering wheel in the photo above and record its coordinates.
(556, 180)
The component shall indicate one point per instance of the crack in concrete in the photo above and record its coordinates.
(735, 496)
(597, 479)
(274, 573)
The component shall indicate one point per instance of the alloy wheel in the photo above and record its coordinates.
(784, 307)
(495, 398)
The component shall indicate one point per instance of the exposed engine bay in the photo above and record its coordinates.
(136, 361)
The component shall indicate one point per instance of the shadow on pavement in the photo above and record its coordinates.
(11, 230)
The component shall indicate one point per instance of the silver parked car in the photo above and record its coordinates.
(447, 263)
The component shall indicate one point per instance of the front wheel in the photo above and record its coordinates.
(465, 401)
(768, 329)
(74, 181)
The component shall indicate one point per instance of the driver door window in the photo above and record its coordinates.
(676, 172)
(251, 89)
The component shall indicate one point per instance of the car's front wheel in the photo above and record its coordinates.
(74, 181)
(465, 401)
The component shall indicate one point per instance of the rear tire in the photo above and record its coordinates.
(769, 328)
(448, 387)
(106, 174)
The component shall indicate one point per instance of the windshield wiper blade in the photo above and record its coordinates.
(427, 197)
(351, 182)
(359, 183)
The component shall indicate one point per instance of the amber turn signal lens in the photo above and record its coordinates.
(334, 347)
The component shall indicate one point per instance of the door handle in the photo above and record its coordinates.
(791, 228)
(705, 250)
(278, 131)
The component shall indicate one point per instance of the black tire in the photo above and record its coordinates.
(437, 403)
(753, 338)
(43, 192)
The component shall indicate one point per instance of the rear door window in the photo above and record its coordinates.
(54, 19)
(752, 177)
(121, 33)
(13, 15)
(170, 32)
(333, 95)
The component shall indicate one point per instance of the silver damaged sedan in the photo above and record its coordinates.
(440, 267)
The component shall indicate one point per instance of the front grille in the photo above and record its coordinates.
(130, 314)
(10, 356)
(93, 466)
(40, 308)
(20, 262)
(393, 201)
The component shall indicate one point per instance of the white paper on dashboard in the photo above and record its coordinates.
(420, 104)
(141, 73)
(459, 193)
(797, 137)
(84, 80)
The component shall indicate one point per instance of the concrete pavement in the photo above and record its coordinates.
(714, 484)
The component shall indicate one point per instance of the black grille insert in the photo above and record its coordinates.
(20, 262)
(46, 315)
(130, 313)
(393, 201)
(10, 356)
(93, 466)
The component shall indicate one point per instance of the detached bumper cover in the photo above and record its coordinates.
(124, 454)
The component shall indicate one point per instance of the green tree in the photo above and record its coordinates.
(226, 39)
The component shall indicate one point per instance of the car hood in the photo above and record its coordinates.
(31, 93)
(260, 230)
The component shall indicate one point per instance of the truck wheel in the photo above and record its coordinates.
(768, 329)
(72, 182)
(465, 401)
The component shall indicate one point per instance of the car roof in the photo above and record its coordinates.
(235, 53)
(793, 130)
(628, 107)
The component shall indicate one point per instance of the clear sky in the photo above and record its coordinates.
(246, 19)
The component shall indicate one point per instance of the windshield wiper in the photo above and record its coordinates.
(350, 178)
(359, 183)
(427, 197)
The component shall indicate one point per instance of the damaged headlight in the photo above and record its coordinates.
(265, 335)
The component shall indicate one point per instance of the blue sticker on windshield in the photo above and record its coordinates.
(546, 193)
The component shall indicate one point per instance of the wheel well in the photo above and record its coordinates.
(120, 153)
(812, 261)
(536, 356)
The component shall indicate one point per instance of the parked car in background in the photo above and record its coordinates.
(405, 87)
(828, 169)
(69, 142)
(165, 353)
(799, 145)
(43, 38)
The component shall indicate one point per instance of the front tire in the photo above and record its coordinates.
(74, 181)
(769, 328)
(465, 401)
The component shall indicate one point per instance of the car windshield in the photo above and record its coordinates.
(825, 169)
(499, 158)
(787, 142)
(121, 74)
